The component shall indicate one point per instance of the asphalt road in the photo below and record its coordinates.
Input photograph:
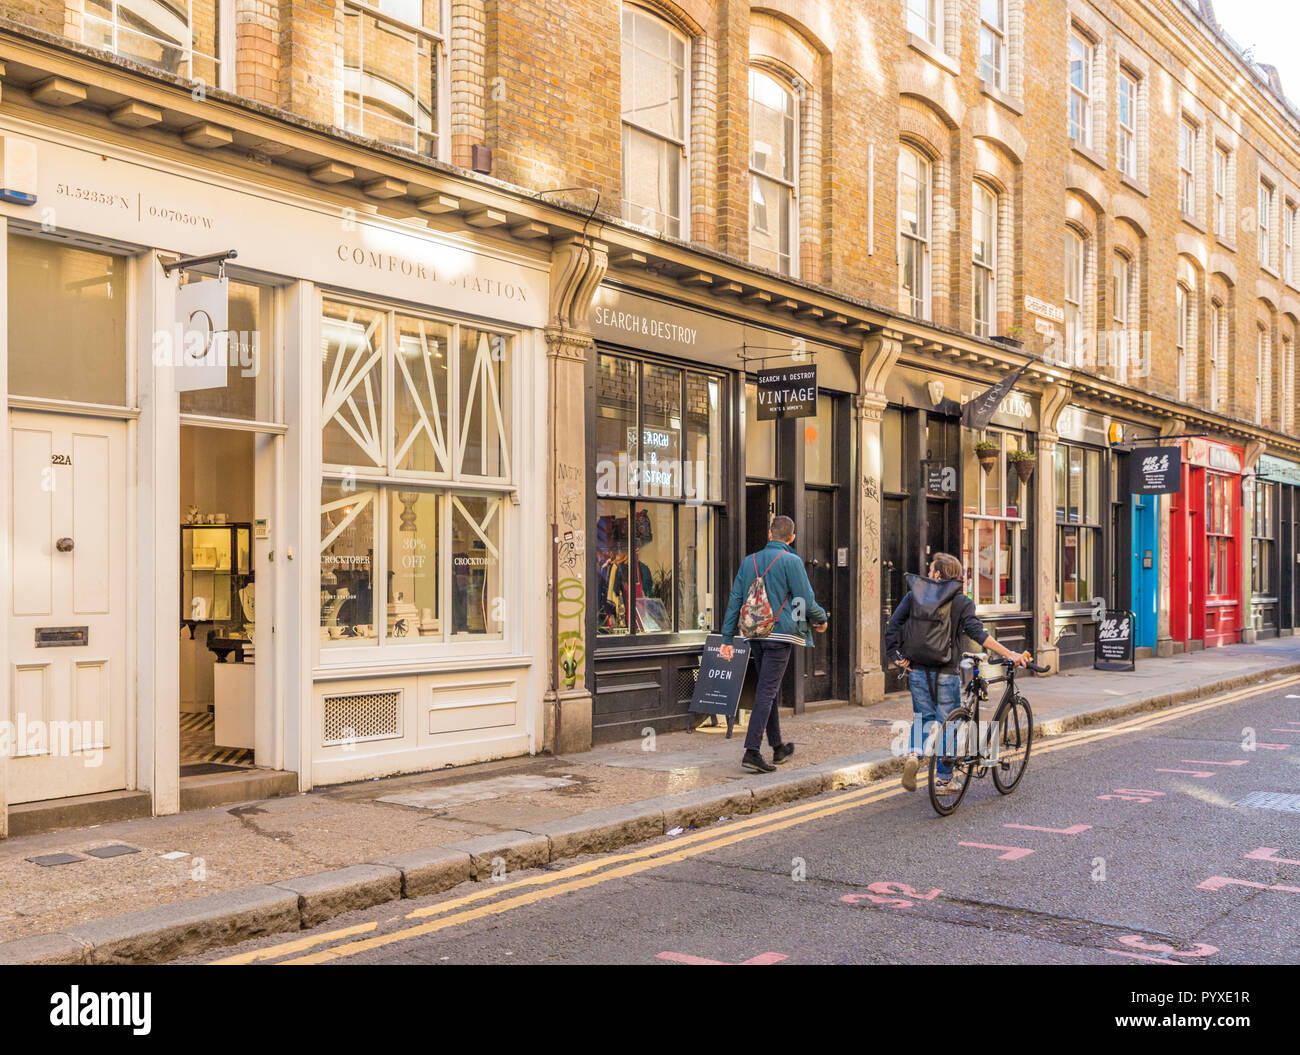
(1107, 853)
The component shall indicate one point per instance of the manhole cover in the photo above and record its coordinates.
(1272, 800)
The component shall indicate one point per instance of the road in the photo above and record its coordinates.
(1122, 845)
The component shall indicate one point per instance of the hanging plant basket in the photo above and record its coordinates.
(988, 457)
(1024, 467)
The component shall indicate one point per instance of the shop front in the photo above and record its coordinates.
(340, 521)
(1275, 546)
(1205, 553)
(687, 477)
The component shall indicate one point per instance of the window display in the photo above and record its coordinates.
(993, 535)
(216, 572)
(1078, 519)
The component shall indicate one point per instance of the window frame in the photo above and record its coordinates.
(790, 184)
(1262, 354)
(973, 522)
(984, 272)
(1264, 223)
(682, 145)
(1288, 241)
(224, 59)
(1080, 92)
(920, 243)
(1263, 544)
(997, 33)
(1126, 135)
(1074, 334)
(1215, 349)
(1184, 301)
(1220, 541)
(1122, 276)
(929, 21)
(1091, 461)
(1189, 136)
(1222, 184)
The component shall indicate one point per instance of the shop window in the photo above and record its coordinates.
(1263, 542)
(67, 322)
(760, 440)
(659, 432)
(654, 122)
(416, 453)
(891, 451)
(249, 392)
(1219, 541)
(180, 38)
(392, 65)
(773, 179)
(915, 188)
(984, 259)
(819, 444)
(993, 536)
(1078, 523)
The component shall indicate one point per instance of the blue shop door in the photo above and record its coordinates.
(1146, 572)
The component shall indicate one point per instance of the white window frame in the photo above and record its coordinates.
(919, 301)
(1080, 133)
(996, 33)
(225, 42)
(1222, 168)
(984, 272)
(986, 521)
(1182, 308)
(1188, 139)
(1126, 159)
(682, 145)
(925, 19)
(1216, 339)
(1076, 252)
(1121, 292)
(790, 184)
(1264, 223)
(1261, 353)
(1288, 241)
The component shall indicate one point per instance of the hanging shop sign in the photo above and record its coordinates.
(1278, 470)
(718, 687)
(198, 346)
(980, 409)
(787, 392)
(1113, 648)
(1156, 471)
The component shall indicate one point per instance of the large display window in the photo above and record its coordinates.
(1263, 542)
(994, 539)
(1220, 544)
(659, 448)
(1078, 487)
(416, 428)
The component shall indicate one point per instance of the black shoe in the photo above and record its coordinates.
(755, 761)
(780, 754)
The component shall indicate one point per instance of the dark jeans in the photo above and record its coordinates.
(770, 660)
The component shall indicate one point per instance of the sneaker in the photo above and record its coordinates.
(780, 754)
(909, 772)
(755, 761)
(946, 787)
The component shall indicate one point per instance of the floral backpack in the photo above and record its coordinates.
(757, 619)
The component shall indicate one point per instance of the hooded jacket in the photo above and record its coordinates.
(930, 593)
(786, 581)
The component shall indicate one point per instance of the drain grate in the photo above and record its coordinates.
(1272, 800)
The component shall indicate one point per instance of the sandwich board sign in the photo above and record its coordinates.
(720, 682)
(1113, 648)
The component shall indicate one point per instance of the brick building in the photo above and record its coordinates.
(545, 251)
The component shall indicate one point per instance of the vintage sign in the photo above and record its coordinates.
(1155, 471)
(787, 392)
(718, 687)
(1113, 648)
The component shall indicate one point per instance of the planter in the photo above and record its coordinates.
(988, 459)
(1024, 468)
(1010, 342)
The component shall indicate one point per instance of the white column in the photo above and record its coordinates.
(1248, 485)
(868, 676)
(6, 489)
(1046, 651)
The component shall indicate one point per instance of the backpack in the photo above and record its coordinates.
(756, 617)
(927, 633)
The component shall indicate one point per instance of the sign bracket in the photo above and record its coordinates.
(187, 263)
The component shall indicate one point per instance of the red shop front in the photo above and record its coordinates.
(1205, 547)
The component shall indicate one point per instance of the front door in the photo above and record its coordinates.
(67, 637)
(817, 545)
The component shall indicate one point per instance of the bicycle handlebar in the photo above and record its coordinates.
(1031, 665)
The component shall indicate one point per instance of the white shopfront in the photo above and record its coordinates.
(357, 513)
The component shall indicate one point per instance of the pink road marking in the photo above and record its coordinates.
(1149, 959)
(761, 960)
(1269, 853)
(1013, 853)
(1199, 774)
(1073, 829)
(1134, 941)
(1275, 747)
(1289, 732)
(1202, 762)
(1219, 882)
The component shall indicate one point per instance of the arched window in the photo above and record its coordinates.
(1263, 353)
(1216, 348)
(915, 192)
(773, 173)
(1183, 300)
(654, 123)
(1076, 265)
(984, 258)
(1121, 349)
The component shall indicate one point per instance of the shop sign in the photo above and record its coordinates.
(1222, 458)
(1278, 470)
(1082, 426)
(199, 345)
(788, 392)
(718, 687)
(1155, 471)
(1044, 310)
(1113, 648)
(999, 399)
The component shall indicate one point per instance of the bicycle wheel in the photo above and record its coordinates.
(955, 742)
(1015, 738)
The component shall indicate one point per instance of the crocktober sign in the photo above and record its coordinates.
(787, 392)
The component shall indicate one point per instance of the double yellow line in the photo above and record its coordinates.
(533, 889)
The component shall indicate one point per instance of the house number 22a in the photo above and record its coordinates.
(60, 459)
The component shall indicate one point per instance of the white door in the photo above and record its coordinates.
(68, 619)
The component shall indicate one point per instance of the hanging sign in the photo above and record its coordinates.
(787, 392)
(1113, 649)
(979, 411)
(197, 345)
(717, 689)
(1155, 471)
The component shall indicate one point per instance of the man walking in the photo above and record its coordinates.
(786, 584)
(922, 637)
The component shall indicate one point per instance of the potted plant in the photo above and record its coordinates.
(1023, 462)
(987, 452)
(1014, 337)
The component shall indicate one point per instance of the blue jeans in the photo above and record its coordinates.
(927, 710)
(770, 660)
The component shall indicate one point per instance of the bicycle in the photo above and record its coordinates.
(1004, 752)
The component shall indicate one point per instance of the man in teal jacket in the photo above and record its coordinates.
(791, 596)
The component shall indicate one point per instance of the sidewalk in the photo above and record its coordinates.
(203, 878)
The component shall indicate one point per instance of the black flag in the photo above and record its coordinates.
(979, 411)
